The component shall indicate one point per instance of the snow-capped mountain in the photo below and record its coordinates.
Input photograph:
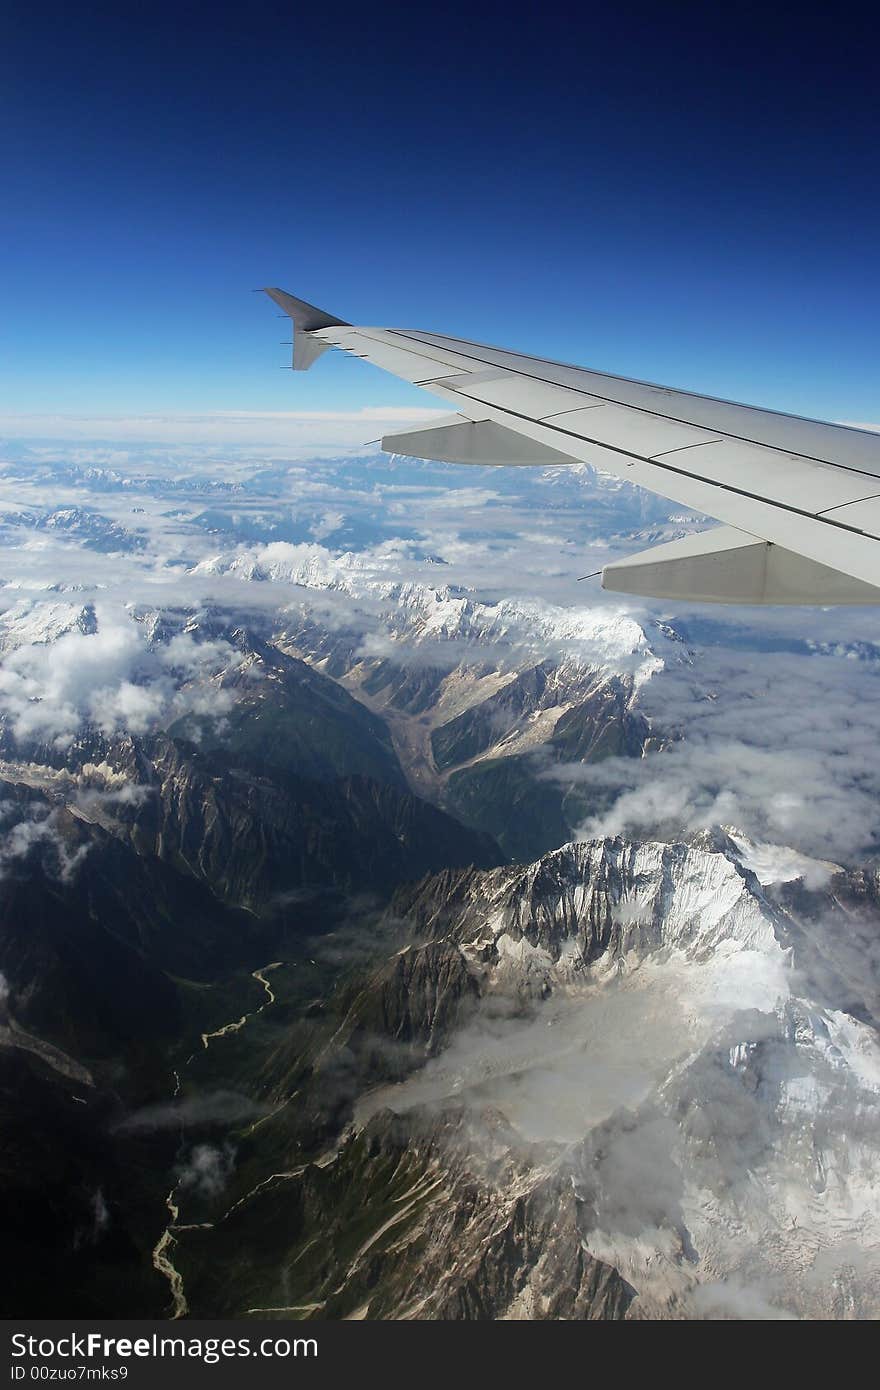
(419, 613)
(90, 528)
(30, 621)
(628, 1080)
(480, 697)
(681, 1052)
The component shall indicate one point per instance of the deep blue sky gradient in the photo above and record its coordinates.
(685, 193)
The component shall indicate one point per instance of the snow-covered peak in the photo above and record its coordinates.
(419, 613)
(599, 907)
(716, 1106)
(39, 621)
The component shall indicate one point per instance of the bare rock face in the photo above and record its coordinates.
(419, 997)
(509, 691)
(254, 833)
(430, 1215)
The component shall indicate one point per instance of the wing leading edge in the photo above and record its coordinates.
(799, 499)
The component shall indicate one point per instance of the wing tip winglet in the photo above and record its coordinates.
(307, 318)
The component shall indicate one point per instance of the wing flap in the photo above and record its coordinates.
(728, 566)
(772, 475)
(455, 439)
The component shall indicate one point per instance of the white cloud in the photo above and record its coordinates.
(780, 744)
(110, 679)
(38, 826)
(207, 1169)
(732, 1299)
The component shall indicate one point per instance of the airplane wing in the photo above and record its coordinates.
(799, 499)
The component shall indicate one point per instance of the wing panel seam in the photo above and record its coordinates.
(856, 503)
(644, 410)
(682, 472)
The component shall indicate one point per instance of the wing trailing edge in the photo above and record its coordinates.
(798, 499)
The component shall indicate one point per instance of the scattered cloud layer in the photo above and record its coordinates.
(782, 744)
(771, 715)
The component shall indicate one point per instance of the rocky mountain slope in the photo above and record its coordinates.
(622, 1077)
(473, 703)
(482, 699)
(317, 1050)
(372, 1233)
(148, 883)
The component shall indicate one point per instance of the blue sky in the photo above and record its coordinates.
(656, 190)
